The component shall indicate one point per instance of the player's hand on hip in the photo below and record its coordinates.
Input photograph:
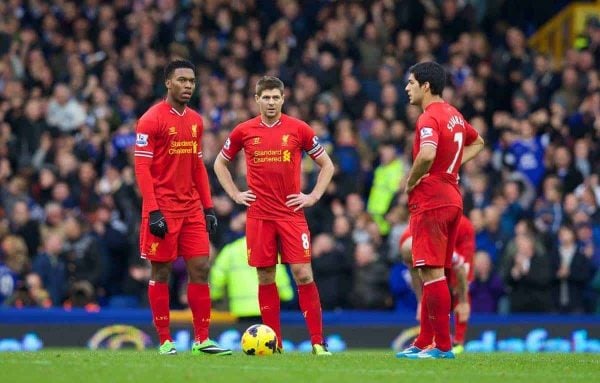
(463, 311)
(158, 224)
(410, 188)
(300, 200)
(244, 198)
(211, 220)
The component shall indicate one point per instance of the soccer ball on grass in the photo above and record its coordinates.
(259, 339)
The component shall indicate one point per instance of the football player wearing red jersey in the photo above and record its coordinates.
(459, 276)
(175, 192)
(273, 144)
(443, 141)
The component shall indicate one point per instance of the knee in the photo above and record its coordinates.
(302, 274)
(161, 273)
(266, 275)
(199, 272)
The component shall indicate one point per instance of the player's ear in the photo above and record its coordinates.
(168, 83)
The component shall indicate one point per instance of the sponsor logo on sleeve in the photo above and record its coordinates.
(227, 144)
(141, 140)
(426, 132)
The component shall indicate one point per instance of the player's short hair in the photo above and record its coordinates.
(176, 64)
(268, 82)
(430, 72)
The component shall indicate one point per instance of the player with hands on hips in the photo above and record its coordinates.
(273, 144)
(443, 141)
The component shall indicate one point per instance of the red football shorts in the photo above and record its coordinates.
(266, 238)
(434, 235)
(187, 237)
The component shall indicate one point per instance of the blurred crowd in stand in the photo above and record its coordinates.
(75, 76)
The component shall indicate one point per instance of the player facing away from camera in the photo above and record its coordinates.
(273, 144)
(177, 212)
(459, 276)
(443, 141)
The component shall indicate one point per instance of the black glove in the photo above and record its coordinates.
(211, 220)
(158, 224)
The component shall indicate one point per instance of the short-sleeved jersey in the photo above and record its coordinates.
(443, 127)
(172, 143)
(273, 157)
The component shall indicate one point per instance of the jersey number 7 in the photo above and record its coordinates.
(458, 138)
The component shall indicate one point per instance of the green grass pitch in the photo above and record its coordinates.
(361, 366)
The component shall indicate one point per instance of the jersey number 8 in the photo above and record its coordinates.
(305, 242)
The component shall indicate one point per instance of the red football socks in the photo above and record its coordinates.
(438, 304)
(310, 304)
(425, 337)
(268, 300)
(198, 295)
(158, 295)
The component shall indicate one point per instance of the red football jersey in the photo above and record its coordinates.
(273, 157)
(443, 127)
(170, 144)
